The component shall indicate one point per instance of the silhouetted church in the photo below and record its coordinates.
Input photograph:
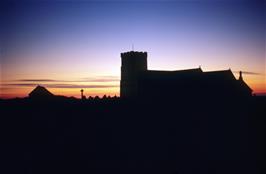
(138, 81)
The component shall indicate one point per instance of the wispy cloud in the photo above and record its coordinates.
(102, 79)
(61, 85)
(249, 73)
(5, 88)
(35, 80)
(88, 79)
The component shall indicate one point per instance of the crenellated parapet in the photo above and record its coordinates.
(138, 54)
(134, 60)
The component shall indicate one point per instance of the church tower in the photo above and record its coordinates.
(133, 63)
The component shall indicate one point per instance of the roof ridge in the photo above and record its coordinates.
(177, 70)
(226, 70)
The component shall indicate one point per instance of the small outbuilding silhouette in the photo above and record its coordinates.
(40, 92)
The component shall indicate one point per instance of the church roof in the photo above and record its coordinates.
(222, 75)
(155, 74)
(244, 85)
(222, 78)
(185, 71)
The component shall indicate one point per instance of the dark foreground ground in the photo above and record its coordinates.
(133, 137)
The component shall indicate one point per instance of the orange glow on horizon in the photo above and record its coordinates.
(20, 92)
(96, 85)
(24, 91)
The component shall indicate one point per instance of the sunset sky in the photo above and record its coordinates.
(69, 45)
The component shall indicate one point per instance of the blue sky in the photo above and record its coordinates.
(68, 40)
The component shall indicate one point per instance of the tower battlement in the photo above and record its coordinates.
(134, 60)
(138, 54)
